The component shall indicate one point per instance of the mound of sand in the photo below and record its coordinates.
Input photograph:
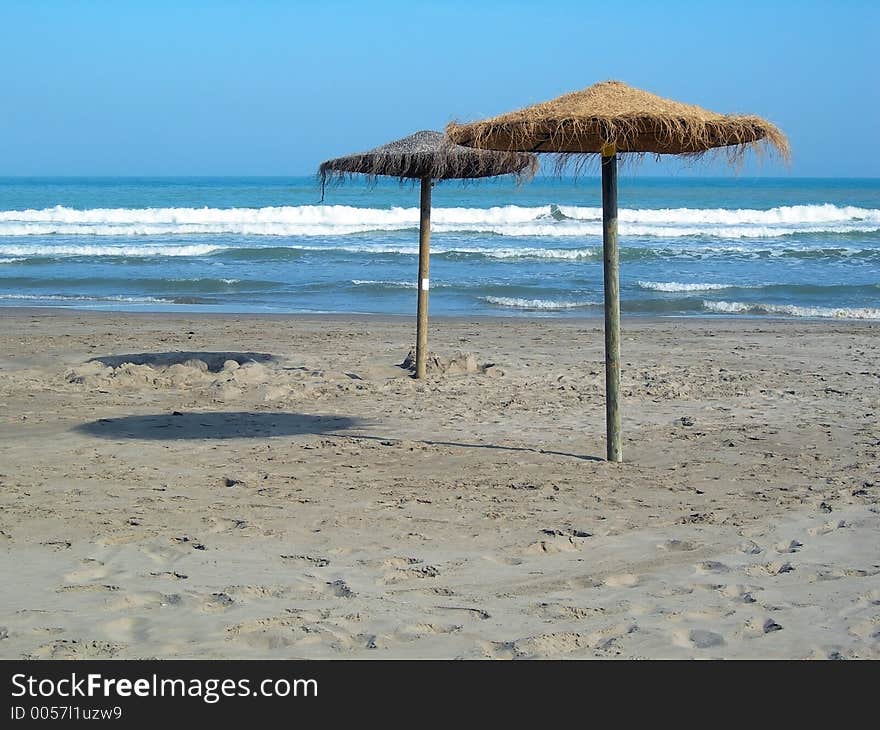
(462, 363)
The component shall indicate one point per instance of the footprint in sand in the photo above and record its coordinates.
(57, 544)
(339, 552)
(706, 614)
(679, 546)
(868, 629)
(828, 654)
(426, 591)
(497, 649)
(340, 589)
(417, 572)
(217, 602)
(697, 639)
(549, 645)
(566, 642)
(622, 580)
(826, 574)
(226, 524)
(88, 588)
(708, 586)
(313, 560)
(555, 611)
(476, 613)
(577, 583)
(827, 527)
(872, 598)
(777, 567)
(554, 544)
(144, 600)
(164, 554)
(318, 633)
(737, 593)
(270, 634)
(750, 548)
(671, 591)
(76, 649)
(128, 630)
(413, 632)
(607, 638)
(395, 562)
(90, 570)
(502, 560)
(711, 566)
(788, 546)
(399, 569)
(757, 627)
(170, 575)
(50, 630)
(257, 591)
(267, 640)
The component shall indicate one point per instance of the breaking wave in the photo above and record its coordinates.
(538, 304)
(675, 286)
(509, 220)
(88, 298)
(791, 310)
(92, 250)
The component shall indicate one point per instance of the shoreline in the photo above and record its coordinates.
(649, 319)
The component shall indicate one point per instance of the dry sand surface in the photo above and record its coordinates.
(309, 499)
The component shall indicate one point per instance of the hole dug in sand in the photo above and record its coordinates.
(213, 362)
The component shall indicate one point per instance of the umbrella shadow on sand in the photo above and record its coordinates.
(215, 425)
(214, 360)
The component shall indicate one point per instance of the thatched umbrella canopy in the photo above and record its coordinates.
(605, 119)
(614, 113)
(427, 156)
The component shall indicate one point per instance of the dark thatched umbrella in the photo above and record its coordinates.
(427, 156)
(605, 119)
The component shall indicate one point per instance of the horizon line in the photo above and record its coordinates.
(499, 178)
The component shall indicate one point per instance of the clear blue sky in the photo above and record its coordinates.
(272, 87)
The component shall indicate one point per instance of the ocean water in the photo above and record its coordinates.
(731, 246)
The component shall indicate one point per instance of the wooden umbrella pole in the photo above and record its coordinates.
(612, 303)
(424, 281)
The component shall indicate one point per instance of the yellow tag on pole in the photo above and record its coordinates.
(609, 149)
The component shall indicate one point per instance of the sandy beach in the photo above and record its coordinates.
(250, 486)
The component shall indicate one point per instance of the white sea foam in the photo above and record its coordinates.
(388, 284)
(784, 215)
(536, 253)
(569, 228)
(666, 250)
(509, 220)
(9, 261)
(537, 304)
(92, 250)
(146, 250)
(497, 253)
(791, 310)
(84, 298)
(675, 286)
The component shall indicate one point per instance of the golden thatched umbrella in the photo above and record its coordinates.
(608, 118)
(427, 156)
